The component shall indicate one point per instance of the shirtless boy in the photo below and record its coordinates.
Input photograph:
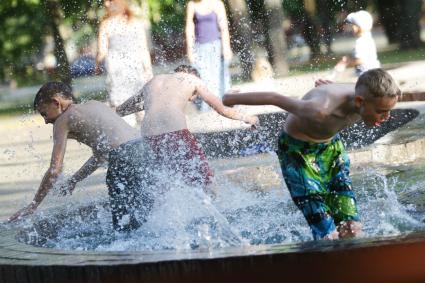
(174, 149)
(312, 157)
(91, 123)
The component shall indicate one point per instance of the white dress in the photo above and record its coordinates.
(126, 73)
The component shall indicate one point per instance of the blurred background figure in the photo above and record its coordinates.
(208, 44)
(84, 64)
(122, 44)
(364, 56)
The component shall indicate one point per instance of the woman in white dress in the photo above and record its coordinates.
(122, 44)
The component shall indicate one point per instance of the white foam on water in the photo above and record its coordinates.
(185, 218)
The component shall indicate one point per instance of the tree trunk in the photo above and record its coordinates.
(327, 22)
(54, 12)
(410, 15)
(276, 37)
(305, 23)
(241, 30)
(389, 16)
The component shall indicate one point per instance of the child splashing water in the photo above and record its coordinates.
(91, 123)
(164, 129)
(312, 157)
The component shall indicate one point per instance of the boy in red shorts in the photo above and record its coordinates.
(172, 147)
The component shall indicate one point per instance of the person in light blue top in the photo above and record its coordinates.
(208, 44)
(364, 56)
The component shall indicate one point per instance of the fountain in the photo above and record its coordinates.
(259, 238)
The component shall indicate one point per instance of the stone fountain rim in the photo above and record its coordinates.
(22, 254)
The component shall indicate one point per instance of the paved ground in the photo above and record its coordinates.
(26, 142)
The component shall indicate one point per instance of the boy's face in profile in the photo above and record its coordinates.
(375, 110)
(50, 111)
(352, 28)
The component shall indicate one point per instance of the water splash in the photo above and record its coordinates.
(186, 218)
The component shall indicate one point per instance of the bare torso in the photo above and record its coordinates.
(334, 99)
(96, 125)
(165, 100)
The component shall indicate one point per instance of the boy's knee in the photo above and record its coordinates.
(332, 236)
(349, 229)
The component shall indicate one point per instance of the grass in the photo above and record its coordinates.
(15, 110)
(386, 57)
(400, 56)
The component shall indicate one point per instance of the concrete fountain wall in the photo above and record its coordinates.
(390, 259)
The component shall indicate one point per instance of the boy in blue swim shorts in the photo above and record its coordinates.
(313, 160)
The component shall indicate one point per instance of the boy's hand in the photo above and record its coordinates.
(253, 121)
(22, 212)
(342, 64)
(320, 82)
(67, 188)
(98, 70)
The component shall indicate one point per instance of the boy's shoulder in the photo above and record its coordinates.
(91, 104)
(333, 90)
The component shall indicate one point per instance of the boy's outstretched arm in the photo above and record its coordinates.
(289, 104)
(132, 105)
(86, 170)
(221, 109)
(60, 134)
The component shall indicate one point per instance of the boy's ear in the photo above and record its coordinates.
(358, 100)
(56, 101)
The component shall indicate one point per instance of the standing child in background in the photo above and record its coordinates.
(364, 55)
(208, 44)
(92, 123)
(312, 157)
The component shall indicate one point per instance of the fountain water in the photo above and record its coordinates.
(251, 231)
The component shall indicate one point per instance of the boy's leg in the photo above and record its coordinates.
(302, 178)
(129, 184)
(313, 206)
(342, 199)
(180, 154)
(349, 229)
(121, 200)
(195, 167)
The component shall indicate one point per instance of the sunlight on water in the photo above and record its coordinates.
(186, 218)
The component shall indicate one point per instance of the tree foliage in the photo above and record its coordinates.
(21, 39)
(27, 23)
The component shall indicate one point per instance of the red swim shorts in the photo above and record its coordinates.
(181, 153)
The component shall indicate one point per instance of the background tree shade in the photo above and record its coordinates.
(255, 27)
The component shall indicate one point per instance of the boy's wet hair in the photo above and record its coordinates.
(187, 69)
(51, 89)
(378, 83)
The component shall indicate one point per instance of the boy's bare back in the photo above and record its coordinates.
(165, 99)
(96, 125)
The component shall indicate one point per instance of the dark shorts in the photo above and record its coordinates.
(132, 174)
(317, 176)
(129, 182)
